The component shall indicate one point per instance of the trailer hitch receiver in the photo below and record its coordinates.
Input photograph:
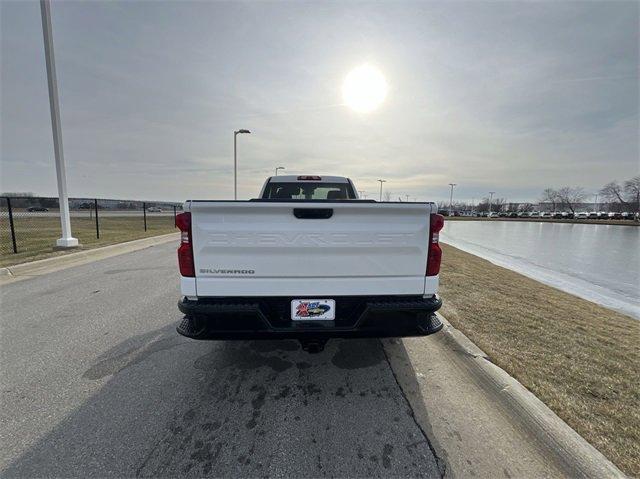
(313, 346)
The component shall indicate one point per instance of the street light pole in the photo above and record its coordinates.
(235, 162)
(596, 203)
(66, 241)
(381, 181)
(279, 168)
(491, 193)
(451, 198)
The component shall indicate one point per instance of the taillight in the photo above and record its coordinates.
(435, 253)
(185, 251)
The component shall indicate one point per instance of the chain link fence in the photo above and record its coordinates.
(31, 225)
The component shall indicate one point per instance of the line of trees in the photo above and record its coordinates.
(619, 197)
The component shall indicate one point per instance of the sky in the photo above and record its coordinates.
(510, 97)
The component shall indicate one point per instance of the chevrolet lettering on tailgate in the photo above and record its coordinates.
(308, 239)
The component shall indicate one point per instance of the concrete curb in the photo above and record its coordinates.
(573, 449)
(57, 263)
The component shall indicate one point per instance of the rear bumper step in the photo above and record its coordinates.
(255, 318)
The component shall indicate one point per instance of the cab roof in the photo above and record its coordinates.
(313, 178)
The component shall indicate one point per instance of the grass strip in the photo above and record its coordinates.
(580, 359)
(36, 236)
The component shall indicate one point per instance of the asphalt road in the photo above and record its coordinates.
(96, 382)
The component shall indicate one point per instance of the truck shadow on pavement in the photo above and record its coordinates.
(169, 406)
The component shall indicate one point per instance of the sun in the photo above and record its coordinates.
(364, 89)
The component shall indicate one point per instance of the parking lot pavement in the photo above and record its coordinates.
(96, 382)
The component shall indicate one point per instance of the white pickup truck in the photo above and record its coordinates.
(308, 260)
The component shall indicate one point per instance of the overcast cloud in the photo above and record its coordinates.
(505, 97)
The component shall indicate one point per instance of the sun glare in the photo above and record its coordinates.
(364, 89)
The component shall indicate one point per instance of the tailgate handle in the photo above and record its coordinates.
(313, 213)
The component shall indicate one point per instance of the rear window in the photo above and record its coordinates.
(309, 191)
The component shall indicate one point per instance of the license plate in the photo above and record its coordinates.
(313, 309)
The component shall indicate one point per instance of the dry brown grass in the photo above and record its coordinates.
(580, 359)
(36, 236)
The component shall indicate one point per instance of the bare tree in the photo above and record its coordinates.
(496, 205)
(569, 197)
(387, 195)
(483, 205)
(550, 196)
(513, 206)
(632, 189)
(526, 207)
(462, 206)
(612, 192)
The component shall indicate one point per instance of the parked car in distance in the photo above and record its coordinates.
(534, 214)
(33, 209)
(493, 214)
(582, 215)
(567, 215)
(593, 215)
(615, 215)
(545, 214)
(628, 216)
(89, 205)
(154, 209)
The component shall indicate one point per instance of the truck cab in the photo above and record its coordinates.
(310, 187)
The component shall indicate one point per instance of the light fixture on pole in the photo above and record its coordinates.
(66, 241)
(235, 162)
(452, 185)
(381, 181)
(491, 193)
(279, 168)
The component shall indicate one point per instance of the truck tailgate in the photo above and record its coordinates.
(253, 248)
